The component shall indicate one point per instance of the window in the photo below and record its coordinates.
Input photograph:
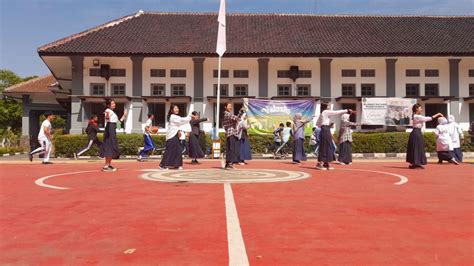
(348, 73)
(224, 90)
(284, 90)
(367, 73)
(158, 73)
(158, 90)
(159, 110)
(412, 73)
(304, 74)
(367, 90)
(412, 90)
(178, 73)
(118, 89)
(303, 90)
(117, 72)
(471, 89)
(240, 90)
(98, 89)
(224, 73)
(431, 109)
(283, 73)
(431, 89)
(178, 90)
(431, 73)
(348, 90)
(94, 72)
(241, 73)
(471, 73)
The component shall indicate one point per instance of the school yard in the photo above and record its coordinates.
(267, 213)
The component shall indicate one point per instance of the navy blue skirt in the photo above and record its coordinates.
(245, 151)
(173, 156)
(326, 146)
(345, 152)
(299, 153)
(110, 147)
(416, 148)
(195, 150)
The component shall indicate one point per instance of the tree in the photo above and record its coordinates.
(8, 78)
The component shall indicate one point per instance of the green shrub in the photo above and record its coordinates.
(10, 150)
(387, 142)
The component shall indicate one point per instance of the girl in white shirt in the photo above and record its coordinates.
(416, 146)
(173, 152)
(110, 148)
(444, 143)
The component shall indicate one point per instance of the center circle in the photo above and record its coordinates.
(225, 176)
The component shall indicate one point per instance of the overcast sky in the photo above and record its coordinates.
(25, 25)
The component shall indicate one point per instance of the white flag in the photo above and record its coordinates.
(221, 40)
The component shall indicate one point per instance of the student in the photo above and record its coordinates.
(285, 137)
(244, 145)
(148, 145)
(195, 150)
(444, 143)
(457, 136)
(173, 156)
(45, 139)
(91, 131)
(313, 141)
(278, 138)
(110, 149)
(416, 156)
(299, 154)
(326, 153)
(230, 123)
(345, 140)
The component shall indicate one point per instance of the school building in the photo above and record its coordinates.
(148, 61)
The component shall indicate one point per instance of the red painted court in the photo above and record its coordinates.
(340, 217)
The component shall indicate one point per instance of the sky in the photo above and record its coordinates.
(26, 25)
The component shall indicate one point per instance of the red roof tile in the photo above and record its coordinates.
(36, 85)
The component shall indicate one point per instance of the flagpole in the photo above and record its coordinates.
(218, 97)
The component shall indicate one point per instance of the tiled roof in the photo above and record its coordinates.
(163, 34)
(36, 85)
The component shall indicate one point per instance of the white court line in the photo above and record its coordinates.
(403, 179)
(40, 181)
(235, 241)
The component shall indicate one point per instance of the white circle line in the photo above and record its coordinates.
(40, 181)
(403, 179)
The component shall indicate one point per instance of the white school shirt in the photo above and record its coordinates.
(443, 138)
(45, 125)
(419, 120)
(455, 131)
(325, 116)
(113, 118)
(174, 125)
(286, 134)
(148, 124)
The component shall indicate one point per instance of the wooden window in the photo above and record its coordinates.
(348, 90)
(367, 90)
(118, 89)
(412, 73)
(94, 72)
(158, 89)
(284, 90)
(178, 73)
(240, 90)
(224, 73)
(471, 73)
(117, 72)
(303, 90)
(431, 89)
(158, 73)
(367, 73)
(431, 73)
(412, 90)
(98, 89)
(471, 89)
(304, 73)
(348, 72)
(283, 73)
(224, 90)
(178, 90)
(241, 73)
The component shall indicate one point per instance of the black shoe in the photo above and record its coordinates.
(47, 163)
(113, 169)
(30, 157)
(440, 162)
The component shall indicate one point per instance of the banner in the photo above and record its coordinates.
(387, 111)
(264, 116)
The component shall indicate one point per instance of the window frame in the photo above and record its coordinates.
(298, 86)
(348, 73)
(431, 84)
(417, 89)
(172, 91)
(244, 73)
(372, 87)
(112, 89)
(158, 73)
(178, 73)
(152, 87)
(223, 86)
(353, 85)
(368, 73)
(283, 86)
(241, 86)
(91, 86)
(224, 73)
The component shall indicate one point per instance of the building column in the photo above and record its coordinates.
(325, 77)
(198, 84)
(136, 104)
(391, 76)
(77, 88)
(454, 87)
(25, 117)
(263, 77)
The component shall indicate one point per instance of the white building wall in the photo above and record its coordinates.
(464, 81)
(114, 62)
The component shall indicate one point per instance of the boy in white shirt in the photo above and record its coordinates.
(45, 138)
(149, 145)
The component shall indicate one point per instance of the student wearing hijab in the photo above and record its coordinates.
(173, 156)
(457, 136)
(444, 143)
(345, 140)
(416, 156)
(244, 145)
(195, 150)
(299, 154)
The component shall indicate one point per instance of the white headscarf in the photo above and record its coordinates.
(451, 119)
(297, 117)
(442, 121)
(345, 117)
